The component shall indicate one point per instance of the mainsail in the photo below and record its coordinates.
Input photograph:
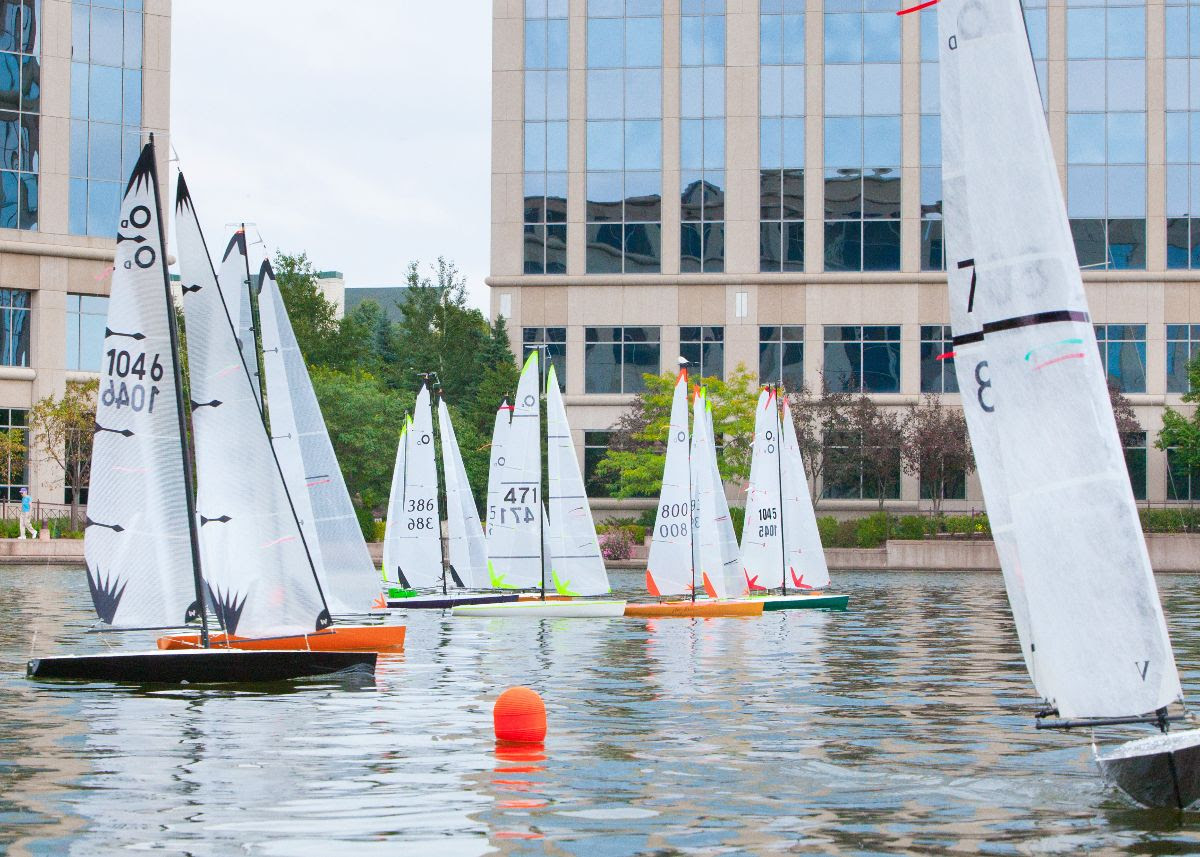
(466, 545)
(1096, 632)
(708, 521)
(245, 290)
(315, 483)
(515, 546)
(762, 556)
(669, 565)
(137, 547)
(395, 564)
(414, 528)
(805, 555)
(496, 463)
(577, 568)
(726, 537)
(260, 577)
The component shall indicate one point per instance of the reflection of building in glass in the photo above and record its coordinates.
(805, 145)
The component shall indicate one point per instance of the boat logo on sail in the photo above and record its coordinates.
(106, 596)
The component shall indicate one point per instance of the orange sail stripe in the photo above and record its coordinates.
(651, 587)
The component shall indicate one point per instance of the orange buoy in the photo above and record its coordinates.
(520, 716)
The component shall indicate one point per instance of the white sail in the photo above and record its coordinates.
(394, 561)
(496, 463)
(577, 568)
(137, 546)
(709, 561)
(1095, 621)
(762, 554)
(669, 565)
(244, 318)
(515, 546)
(466, 544)
(326, 512)
(417, 534)
(260, 578)
(806, 565)
(726, 536)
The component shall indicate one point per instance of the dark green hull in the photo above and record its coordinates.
(805, 602)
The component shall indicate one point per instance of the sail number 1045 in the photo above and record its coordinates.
(132, 393)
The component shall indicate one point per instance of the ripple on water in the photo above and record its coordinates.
(901, 726)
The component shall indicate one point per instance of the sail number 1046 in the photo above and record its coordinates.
(132, 393)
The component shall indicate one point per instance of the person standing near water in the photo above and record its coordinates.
(26, 511)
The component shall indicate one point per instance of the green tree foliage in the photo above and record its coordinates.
(633, 465)
(63, 429)
(366, 369)
(1180, 433)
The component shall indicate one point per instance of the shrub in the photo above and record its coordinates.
(637, 533)
(827, 526)
(647, 517)
(377, 530)
(873, 530)
(913, 527)
(616, 544)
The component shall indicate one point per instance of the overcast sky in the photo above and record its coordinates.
(356, 131)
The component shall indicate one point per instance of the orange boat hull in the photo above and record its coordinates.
(704, 609)
(336, 638)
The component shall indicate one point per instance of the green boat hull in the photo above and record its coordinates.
(805, 602)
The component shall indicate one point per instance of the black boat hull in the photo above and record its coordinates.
(199, 666)
(445, 602)
(1162, 771)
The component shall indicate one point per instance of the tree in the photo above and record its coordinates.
(13, 450)
(633, 464)
(1181, 434)
(63, 429)
(863, 453)
(936, 448)
(816, 416)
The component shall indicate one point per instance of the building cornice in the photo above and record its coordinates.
(824, 279)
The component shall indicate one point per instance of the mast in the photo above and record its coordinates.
(779, 468)
(439, 491)
(692, 517)
(255, 326)
(189, 480)
(542, 505)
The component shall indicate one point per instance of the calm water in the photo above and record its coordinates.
(901, 726)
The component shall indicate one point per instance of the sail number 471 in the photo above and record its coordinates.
(131, 394)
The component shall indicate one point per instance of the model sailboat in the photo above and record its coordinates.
(265, 583)
(1051, 464)
(527, 546)
(141, 544)
(781, 546)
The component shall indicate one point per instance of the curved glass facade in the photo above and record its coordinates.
(781, 135)
(702, 136)
(20, 94)
(106, 109)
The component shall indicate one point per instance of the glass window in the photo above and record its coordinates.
(781, 356)
(846, 475)
(14, 316)
(1183, 482)
(937, 359)
(704, 348)
(781, 131)
(862, 359)
(551, 345)
(616, 358)
(86, 315)
(1134, 444)
(1123, 352)
(1183, 343)
(702, 142)
(595, 447)
(16, 476)
(106, 106)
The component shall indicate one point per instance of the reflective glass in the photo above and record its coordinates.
(768, 246)
(843, 90)
(931, 191)
(1085, 138)
(31, 83)
(604, 241)
(556, 95)
(881, 37)
(793, 90)
(691, 143)
(643, 41)
(556, 146)
(606, 42)
(535, 146)
(79, 147)
(605, 145)
(793, 143)
(556, 257)
(556, 44)
(1177, 191)
(133, 40)
(535, 249)
(1085, 33)
(10, 140)
(80, 45)
(843, 194)
(881, 245)
(881, 141)
(793, 39)
(843, 38)
(535, 44)
(535, 94)
(106, 37)
(1126, 32)
(1127, 244)
(1127, 191)
(1035, 27)
(1085, 85)
(770, 90)
(843, 250)
(643, 93)
(10, 79)
(1127, 85)
(931, 141)
(793, 246)
(79, 90)
(77, 206)
(881, 367)
(131, 97)
(770, 141)
(643, 145)
(843, 141)
(714, 91)
(714, 144)
(643, 196)
(881, 88)
(1089, 242)
(691, 248)
(104, 103)
(932, 247)
(792, 194)
(770, 40)
(843, 364)
(104, 160)
(604, 194)
(714, 40)
(1085, 191)
(604, 94)
(1126, 138)
(104, 200)
(930, 96)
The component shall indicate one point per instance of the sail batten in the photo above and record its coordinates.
(1051, 463)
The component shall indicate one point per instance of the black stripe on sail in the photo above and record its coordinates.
(1048, 317)
(116, 528)
(143, 167)
(227, 607)
(122, 432)
(967, 338)
(457, 580)
(108, 331)
(182, 197)
(106, 596)
(237, 240)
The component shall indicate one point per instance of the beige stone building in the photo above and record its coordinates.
(757, 182)
(82, 83)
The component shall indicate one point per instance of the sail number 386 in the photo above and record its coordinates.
(131, 393)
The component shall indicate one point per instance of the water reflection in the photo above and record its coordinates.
(904, 724)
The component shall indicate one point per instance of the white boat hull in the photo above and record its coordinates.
(545, 609)
(1159, 771)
